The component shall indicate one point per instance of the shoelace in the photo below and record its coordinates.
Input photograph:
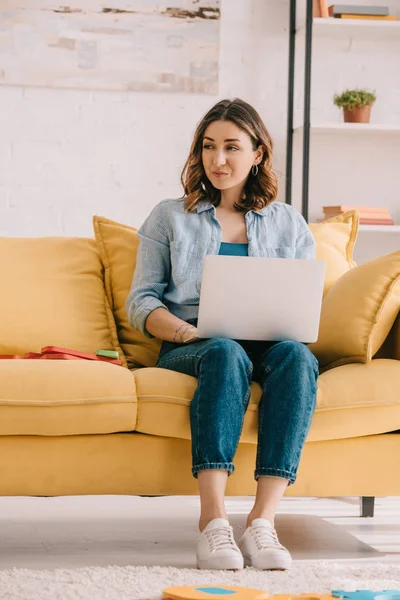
(220, 539)
(265, 537)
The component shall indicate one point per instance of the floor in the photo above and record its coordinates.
(79, 531)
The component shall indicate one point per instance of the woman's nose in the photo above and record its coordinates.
(219, 158)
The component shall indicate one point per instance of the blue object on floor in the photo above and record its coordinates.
(216, 591)
(367, 595)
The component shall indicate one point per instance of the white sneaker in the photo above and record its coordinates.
(216, 547)
(261, 548)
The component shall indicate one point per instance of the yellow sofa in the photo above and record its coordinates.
(84, 427)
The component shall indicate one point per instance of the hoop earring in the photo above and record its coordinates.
(203, 186)
(256, 170)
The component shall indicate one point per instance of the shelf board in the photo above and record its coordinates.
(380, 228)
(334, 27)
(363, 128)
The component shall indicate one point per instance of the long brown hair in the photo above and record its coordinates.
(259, 190)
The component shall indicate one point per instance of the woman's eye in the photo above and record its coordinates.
(209, 147)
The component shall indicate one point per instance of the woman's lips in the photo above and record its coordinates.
(220, 174)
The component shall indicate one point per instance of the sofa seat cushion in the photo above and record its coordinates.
(65, 397)
(353, 400)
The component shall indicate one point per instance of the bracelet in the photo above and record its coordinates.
(183, 333)
(186, 325)
(183, 324)
(180, 327)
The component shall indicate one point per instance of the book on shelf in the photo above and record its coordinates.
(363, 221)
(369, 215)
(351, 9)
(362, 215)
(378, 216)
(376, 221)
(342, 208)
(367, 17)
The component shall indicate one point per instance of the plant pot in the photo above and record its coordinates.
(361, 114)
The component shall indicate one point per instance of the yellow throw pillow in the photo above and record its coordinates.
(335, 239)
(358, 313)
(52, 294)
(117, 246)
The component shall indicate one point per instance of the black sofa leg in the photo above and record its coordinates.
(367, 506)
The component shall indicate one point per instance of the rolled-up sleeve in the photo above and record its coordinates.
(152, 272)
(305, 243)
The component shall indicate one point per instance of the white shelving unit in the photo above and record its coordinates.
(373, 240)
(336, 27)
(353, 128)
(376, 240)
(386, 229)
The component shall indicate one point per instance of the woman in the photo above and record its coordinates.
(229, 207)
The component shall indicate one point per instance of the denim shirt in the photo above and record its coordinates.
(173, 245)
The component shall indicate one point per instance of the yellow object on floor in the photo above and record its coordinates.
(209, 592)
(214, 592)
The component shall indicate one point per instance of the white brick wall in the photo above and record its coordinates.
(66, 155)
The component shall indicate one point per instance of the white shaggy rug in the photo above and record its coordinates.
(134, 583)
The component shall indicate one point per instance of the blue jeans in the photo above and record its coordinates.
(287, 372)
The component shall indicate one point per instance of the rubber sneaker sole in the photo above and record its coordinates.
(221, 563)
(269, 563)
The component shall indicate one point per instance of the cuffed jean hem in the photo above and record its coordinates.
(264, 471)
(207, 466)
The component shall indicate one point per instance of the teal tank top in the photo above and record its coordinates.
(234, 249)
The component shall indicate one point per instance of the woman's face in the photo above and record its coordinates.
(228, 154)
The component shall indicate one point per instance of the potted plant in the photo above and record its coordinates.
(356, 105)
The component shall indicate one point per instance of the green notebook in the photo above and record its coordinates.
(107, 353)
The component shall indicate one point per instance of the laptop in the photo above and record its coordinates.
(257, 298)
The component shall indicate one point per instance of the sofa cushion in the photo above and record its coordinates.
(358, 313)
(118, 245)
(335, 240)
(65, 397)
(53, 294)
(352, 401)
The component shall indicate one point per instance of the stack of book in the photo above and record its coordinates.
(369, 215)
(349, 11)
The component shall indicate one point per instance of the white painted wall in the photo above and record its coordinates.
(66, 155)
